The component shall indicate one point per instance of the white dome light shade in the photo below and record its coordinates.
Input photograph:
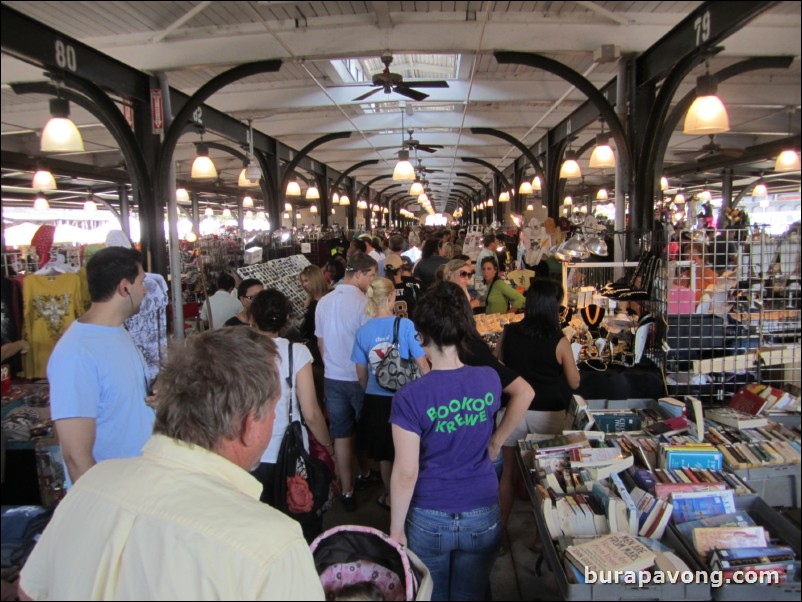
(209, 212)
(760, 190)
(568, 200)
(536, 184)
(313, 209)
(504, 197)
(788, 160)
(287, 206)
(335, 199)
(403, 172)
(181, 195)
(247, 202)
(679, 199)
(602, 155)
(707, 115)
(570, 168)
(530, 207)
(664, 183)
(261, 215)
(416, 189)
(525, 187)
(333, 211)
(202, 166)
(60, 135)
(705, 195)
(43, 180)
(226, 213)
(286, 215)
(90, 206)
(41, 204)
(602, 195)
(489, 203)
(191, 237)
(312, 193)
(293, 188)
(344, 200)
(423, 198)
(249, 214)
(362, 204)
(297, 215)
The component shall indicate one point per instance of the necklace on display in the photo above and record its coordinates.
(592, 315)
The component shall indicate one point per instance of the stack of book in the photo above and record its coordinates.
(613, 552)
(756, 398)
(690, 455)
(771, 445)
(732, 541)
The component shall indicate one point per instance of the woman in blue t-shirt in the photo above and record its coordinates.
(372, 342)
(444, 489)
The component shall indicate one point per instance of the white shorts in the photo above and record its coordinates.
(534, 421)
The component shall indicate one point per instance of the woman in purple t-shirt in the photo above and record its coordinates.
(444, 488)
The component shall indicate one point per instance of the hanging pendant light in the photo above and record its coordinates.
(704, 195)
(313, 209)
(362, 204)
(287, 206)
(247, 202)
(679, 199)
(403, 169)
(788, 160)
(90, 206)
(191, 236)
(760, 190)
(570, 168)
(536, 184)
(333, 211)
(261, 215)
(568, 201)
(252, 171)
(286, 215)
(226, 213)
(530, 207)
(181, 195)
(489, 202)
(423, 198)
(293, 188)
(249, 214)
(416, 189)
(504, 197)
(602, 155)
(707, 115)
(297, 215)
(335, 199)
(43, 180)
(602, 195)
(60, 135)
(41, 204)
(202, 167)
(244, 182)
(525, 187)
(664, 183)
(344, 200)
(209, 212)
(312, 193)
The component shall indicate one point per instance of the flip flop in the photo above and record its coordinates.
(382, 501)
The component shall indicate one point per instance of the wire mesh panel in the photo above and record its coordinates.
(733, 312)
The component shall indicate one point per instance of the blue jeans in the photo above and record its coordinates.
(458, 549)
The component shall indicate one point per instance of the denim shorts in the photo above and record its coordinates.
(344, 401)
(459, 549)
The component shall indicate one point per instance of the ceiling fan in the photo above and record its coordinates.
(394, 82)
(709, 150)
(415, 144)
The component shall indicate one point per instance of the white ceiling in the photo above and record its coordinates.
(194, 41)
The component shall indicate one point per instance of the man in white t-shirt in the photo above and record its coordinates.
(414, 252)
(338, 316)
(224, 305)
(374, 253)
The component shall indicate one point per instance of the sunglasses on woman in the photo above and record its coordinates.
(464, 274)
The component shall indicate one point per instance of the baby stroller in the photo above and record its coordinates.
(352, 554)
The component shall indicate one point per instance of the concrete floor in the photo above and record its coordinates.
(513, 576)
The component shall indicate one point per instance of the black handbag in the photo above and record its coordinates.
(393, 372)
(301, 483)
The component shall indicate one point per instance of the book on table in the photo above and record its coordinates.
(707, 539)
(696, 505)
(616, 551)
(736, 418)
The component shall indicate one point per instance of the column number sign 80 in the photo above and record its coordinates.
(65, 56)
(702, 26)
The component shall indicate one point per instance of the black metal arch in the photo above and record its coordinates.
(517, 144)
(679, 110)
(587, 88)
(193, 102)
(351, 170)
(373, 181)
(290, 167)
(491, 167)
(481, 182)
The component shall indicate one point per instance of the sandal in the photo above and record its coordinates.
(382, 501)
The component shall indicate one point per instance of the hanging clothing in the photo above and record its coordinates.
(148, 328)
(50, 305)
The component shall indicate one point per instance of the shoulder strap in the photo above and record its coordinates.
(490, 288)
(289, 381)
(396, 326)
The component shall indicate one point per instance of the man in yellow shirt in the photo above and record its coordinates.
(184, 521)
